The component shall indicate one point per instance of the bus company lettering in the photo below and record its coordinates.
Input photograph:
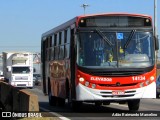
(101, 79)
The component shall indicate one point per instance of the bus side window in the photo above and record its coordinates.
(62, 38)
(65, 36)
(52, 47)
(46, 49)
(66, 50)
(56, 51)
(68, 35)
(61, 52)
(49, 47)
(67, 43)
(61, 45)
(52, 53)
(55, 46)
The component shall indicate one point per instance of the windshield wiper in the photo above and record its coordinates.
(129, 38)
(104, 37)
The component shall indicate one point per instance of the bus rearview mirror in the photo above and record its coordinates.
(156, 43)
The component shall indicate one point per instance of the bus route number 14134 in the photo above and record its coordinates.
(137, 78)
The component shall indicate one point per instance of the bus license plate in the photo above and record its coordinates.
(118, 92)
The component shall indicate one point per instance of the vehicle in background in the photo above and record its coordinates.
(37, 79)
(158, 87)
(1, 75)
(18, 68)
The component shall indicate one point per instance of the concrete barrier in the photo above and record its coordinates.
(16, 100)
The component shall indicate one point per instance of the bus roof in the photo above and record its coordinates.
(76, 19)
(118, 14)
(62, 26)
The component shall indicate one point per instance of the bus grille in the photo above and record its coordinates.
(114, 85)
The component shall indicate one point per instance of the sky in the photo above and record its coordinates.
(22, 22)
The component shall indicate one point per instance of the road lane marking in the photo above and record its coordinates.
(56, 114)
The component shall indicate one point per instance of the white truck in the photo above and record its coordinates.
(18, 68)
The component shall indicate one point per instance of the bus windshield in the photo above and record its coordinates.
(117, 49)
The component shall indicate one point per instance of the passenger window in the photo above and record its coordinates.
(68, 35)
(60, 38)
(55, 39)
(52, 54)
(56, 52)
(61, 52)
(65, 36)
(66, 50)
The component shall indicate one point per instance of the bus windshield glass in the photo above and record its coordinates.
(21, 70)
(117, 49)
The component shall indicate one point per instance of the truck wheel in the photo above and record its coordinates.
(133, 105)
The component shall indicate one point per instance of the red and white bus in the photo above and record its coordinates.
(100, 58)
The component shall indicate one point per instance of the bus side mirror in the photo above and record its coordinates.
(156, 43)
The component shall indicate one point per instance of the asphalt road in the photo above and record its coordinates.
(149, 109)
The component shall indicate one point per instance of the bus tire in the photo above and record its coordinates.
(98, 103)
(74, 105)
(133, 105)
(52, 99)
(61, 102)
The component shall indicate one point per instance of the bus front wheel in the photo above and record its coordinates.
(74, 105)
(133, 105)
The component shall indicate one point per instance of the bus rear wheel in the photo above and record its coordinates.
(61, 102)
(52, 99)
(133, 105)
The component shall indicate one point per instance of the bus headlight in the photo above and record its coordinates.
(81, 79)
(152, 78)
(141, 84)
(147, 82)
(86, 83)
(93, 86)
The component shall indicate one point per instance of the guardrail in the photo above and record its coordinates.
(12, 99)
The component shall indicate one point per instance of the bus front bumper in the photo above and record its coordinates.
(84, 93)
